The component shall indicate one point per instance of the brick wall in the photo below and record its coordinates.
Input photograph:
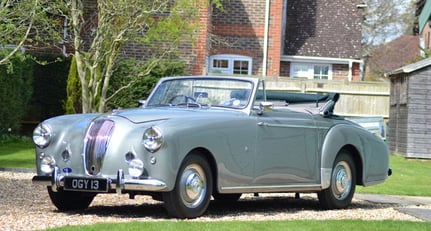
(201, 46)
(240, 30)
(275, 37)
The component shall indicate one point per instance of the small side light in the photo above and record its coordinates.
(47, 163)
(136, 167)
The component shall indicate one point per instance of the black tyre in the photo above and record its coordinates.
(192, 193)
(69, 200)
(343, 182)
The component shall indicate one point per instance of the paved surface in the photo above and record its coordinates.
(402, 201)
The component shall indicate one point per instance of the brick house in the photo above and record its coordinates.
(314, 39)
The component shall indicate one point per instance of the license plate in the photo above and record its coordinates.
(85, 184)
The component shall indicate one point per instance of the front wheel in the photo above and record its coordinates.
(343, 182)
(193, 188)
(69, 200)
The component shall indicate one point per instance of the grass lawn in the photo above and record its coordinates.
(17, 153)
(410, 177)
(350, 225)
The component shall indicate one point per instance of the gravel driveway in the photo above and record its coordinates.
(25, 206)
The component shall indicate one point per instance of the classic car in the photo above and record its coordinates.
(202, 138)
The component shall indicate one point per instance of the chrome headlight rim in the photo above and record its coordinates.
(152, 139)
(42, 135)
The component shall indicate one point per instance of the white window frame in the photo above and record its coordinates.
(231, 59)
(307, 70)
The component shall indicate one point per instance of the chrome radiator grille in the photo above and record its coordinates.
(96, 143)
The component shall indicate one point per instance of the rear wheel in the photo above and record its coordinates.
(343, 182)
(69, 200)
(192, 193)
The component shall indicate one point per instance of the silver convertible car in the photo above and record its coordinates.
(200, 138)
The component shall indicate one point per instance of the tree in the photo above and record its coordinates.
(24, 24)
(385, 20)
(160, 25)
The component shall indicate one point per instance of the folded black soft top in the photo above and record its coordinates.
(296, 98)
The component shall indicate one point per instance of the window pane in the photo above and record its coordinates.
(301, 70)
(240, 67)
(321, 71)
(220, 63)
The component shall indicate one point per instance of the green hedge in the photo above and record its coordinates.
(49, 86)
(15, 92)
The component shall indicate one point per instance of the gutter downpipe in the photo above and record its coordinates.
(265, 40)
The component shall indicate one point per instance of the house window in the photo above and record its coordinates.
(321, 71)
(300, 70)
(240, 67)
(230, 64)
(220, 63)
(311, 71)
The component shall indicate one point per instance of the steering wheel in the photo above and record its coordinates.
(186, 98)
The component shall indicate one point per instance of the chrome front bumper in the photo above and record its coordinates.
(119, 184)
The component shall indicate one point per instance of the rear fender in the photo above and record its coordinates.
(337, 138)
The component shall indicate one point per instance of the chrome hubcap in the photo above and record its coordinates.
(193, 186)
(342, 181)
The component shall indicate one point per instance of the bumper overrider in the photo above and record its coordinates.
(92, 184)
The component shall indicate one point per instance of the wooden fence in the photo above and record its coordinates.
(365, 99)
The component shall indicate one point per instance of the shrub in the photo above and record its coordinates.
(15, 92)
(73, 101)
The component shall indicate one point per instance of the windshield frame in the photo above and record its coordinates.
(155, 94)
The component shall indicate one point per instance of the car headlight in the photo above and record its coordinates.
(42, 135)
(152, 139)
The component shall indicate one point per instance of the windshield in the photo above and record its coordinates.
(211, 92)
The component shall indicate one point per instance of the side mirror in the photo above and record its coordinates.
(141, 103)
(265, 106)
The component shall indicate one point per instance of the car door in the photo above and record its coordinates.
(286, 151)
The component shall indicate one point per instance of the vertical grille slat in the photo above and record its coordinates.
(96, 143)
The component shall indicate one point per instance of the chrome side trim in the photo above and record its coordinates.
(325, 174)
(119, 184)
(272, 188)
(290, 126)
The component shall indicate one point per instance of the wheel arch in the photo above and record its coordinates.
(339, 138)
(357, 159)
(211, 161)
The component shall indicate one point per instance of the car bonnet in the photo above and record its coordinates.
(141, 115)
